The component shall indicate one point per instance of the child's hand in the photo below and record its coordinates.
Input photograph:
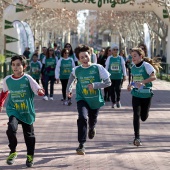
(139, 85)
(69, 95)
(90, 86)
(57, 81)
(129, 87)
(41, 92)
(1, 108)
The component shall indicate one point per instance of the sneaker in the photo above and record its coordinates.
(11, 158)
(65, 102)
(92, 133)
(30, 161)
(118, 104)
(51, 98)
(80, 150)
(45, 98)
(113, 105)
(69, 102)
(62, 99)
(137, 142)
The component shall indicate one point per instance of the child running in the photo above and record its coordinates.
(63, 69)
(35, 67)
(20, 107)
(143, 72)
(90, 79)
(115, 64)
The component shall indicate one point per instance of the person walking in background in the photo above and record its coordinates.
(115, 64)
(93, 56)
(63, 70)
(143, 72)
(123, 55)
(27, 53)
(35, 68)
(20, 107)
(48, 70)
(107, 53)
(129, 65)
(90, 79)
(71, 52)
(41, 56)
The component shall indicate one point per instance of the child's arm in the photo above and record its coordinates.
(105, 76)
(57, 70)
(70, 85)
(35, 86)
(4, 94)
(3, 97)
(123, 68)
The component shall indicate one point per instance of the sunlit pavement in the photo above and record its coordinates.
(111, 149)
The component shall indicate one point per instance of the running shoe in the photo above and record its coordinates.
(30, 161)
(80, 150)
(11, 158)
(91, 133)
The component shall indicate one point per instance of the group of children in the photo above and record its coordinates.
(90, 79)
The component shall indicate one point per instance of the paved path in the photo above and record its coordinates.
(111, 149)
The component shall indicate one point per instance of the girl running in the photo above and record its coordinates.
(143, 72)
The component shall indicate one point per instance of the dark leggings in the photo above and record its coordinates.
(141, 108)
(106, 92)
(129, 73)
(52, 80)
(115, 90)
(64, 83)
(28, 131)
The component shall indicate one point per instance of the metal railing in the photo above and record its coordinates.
(164, 73)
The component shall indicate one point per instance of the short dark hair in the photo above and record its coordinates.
(81, 48)
(63, 51)
(21, 58)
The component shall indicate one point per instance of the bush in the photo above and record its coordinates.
(2, 59)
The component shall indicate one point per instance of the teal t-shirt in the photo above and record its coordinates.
(115, 68)
(65, 68)
(35, 70)
(21, 99)
(50, 64)
(139, 74)
(42, 55)
(84, 77)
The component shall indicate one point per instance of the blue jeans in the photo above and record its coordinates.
(85, 111)
(52, 80)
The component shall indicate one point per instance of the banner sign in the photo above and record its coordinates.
(9, 54)
(8, 24)
(98, 2)
(9, 39)
(21, 7)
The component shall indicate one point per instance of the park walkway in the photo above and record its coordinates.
(111, 149)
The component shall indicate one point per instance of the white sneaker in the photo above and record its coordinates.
(51, 98)
(65, 102)
(45, 98)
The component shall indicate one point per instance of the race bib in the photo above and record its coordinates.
(115, 67)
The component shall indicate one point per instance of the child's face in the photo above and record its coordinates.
(136, 58)
(34, 58)
(17, 67)
(84, 59)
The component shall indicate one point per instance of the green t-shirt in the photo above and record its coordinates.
(21, 99)
(139, 74)
(65, 68)
(115, 68)
(35, 69)
(50, 64)
(84, 77)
